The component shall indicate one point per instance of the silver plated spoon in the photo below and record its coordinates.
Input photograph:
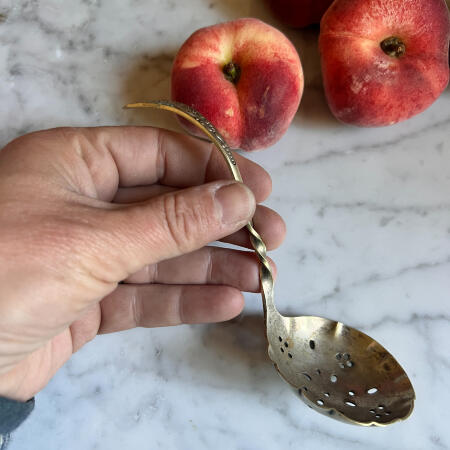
(335, 369)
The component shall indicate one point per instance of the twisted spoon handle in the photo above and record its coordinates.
(203, 124)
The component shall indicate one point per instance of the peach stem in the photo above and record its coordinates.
(393, 46)
(232, 72)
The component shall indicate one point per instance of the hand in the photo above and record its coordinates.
(83, 209)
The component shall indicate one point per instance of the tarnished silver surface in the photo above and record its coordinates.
(336, 370)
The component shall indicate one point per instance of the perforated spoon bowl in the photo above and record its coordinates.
(335, 369)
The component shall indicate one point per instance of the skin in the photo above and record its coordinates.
(82, 210)
(299, 13)
(364, 85)
(255, 109)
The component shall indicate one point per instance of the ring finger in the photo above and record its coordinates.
(209, 265)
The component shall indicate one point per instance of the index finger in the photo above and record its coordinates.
(145, 155)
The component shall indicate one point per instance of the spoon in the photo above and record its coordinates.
(335, 369)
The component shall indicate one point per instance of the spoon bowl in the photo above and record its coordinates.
(339, 371)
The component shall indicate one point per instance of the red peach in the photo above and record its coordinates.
(244, 76)
(383, 61)
(299, 13)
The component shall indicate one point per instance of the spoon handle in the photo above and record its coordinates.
(203, 124)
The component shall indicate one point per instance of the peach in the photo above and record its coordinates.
(383, 61)
(299, 13)
(244, 76)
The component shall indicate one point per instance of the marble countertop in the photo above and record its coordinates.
(368, 243)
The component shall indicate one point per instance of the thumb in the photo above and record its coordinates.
(175, 223)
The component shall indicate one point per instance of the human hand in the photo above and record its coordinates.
(82, 210)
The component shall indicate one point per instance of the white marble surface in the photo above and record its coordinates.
(368, 215)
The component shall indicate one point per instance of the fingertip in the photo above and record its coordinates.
(264, 185)
(270, 226)
(273, 267)
(274, 234)
(256, 178)
(277, 232)
(267, 184)
(231, 305)
(221, 304)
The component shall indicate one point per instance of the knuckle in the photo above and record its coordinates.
(185, 222)
(136, 307)
(43, 136)
(179, 220)
(180, 316)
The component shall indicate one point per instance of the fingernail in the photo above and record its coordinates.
(237, 202)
